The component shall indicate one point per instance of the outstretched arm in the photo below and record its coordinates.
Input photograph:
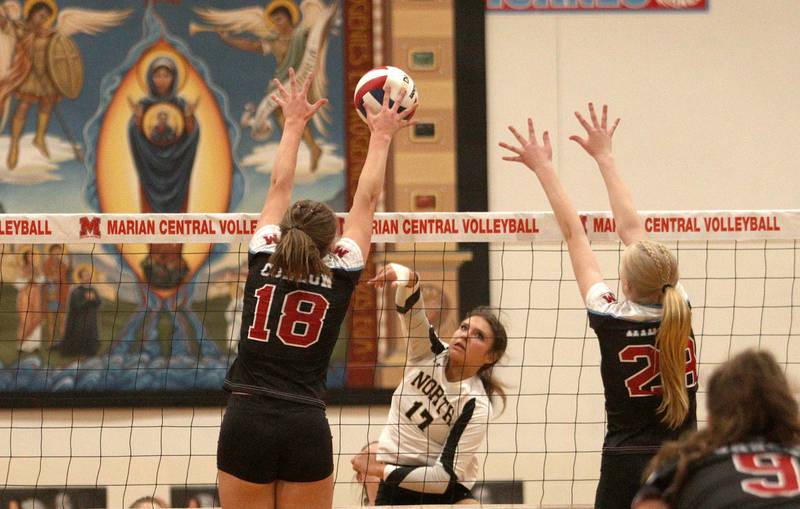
(382, 125)
(297, 111)
(539, 158)
(597, 144)
(422, 340)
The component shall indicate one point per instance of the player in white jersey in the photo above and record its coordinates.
(427, 452)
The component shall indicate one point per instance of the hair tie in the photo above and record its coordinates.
(664, 288)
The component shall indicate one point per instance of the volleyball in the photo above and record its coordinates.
(369, 91)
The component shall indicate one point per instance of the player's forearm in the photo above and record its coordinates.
(630, 227)
(584, 262)
(286, 158)
(431, 479)
(411, 308)
(373, 174)
(565, 213)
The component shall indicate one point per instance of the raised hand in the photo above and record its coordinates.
(388, 121)
(598, 135)
(387, 274)
(294, 102)
(531, 153)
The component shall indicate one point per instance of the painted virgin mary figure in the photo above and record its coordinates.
(164, 135)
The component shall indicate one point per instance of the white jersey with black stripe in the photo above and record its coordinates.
(433, 422)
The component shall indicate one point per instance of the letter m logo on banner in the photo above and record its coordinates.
(90, 227)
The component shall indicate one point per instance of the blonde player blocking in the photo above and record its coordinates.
(648, 364)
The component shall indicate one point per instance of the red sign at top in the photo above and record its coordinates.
(596, 5)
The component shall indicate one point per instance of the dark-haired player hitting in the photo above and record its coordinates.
(275, 447)
(439, 417)
(749, 455)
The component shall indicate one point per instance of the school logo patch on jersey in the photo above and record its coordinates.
(271, 239)
(341, 252)
(609, 297)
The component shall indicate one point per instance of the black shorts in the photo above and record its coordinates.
(389, 494)
(267, 439)
(620, 479)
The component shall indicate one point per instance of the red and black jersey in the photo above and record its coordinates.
(753, 475)
(289, 328)
(630, 371)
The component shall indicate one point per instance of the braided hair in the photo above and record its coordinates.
(651, 270)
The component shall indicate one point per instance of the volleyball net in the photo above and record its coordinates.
(116, 332)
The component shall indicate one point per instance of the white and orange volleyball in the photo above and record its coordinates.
(369, 90)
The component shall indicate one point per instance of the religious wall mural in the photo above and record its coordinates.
(152, 107)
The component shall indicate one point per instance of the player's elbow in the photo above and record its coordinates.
(280, 182)
(573, 233)
(365, 200)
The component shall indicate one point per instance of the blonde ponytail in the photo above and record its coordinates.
(671, 341)
(652, 272)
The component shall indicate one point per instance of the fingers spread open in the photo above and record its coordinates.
(400, 96)
(518, 136)
(317, 105)
(512, 148)
(580, 141)
(292, 80)
(408, 112)
(583, 121)
(604, 118)
(531, 130)
(279, 87)
(307, 83)
(387, 90)
(593, 115)
(614, 127)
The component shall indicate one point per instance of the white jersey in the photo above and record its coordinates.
(435, 426)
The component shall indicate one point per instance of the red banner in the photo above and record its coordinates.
(596, 5)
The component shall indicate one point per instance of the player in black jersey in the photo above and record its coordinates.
(748, 457)
(648, 363)
(440, 412)
(275, 447)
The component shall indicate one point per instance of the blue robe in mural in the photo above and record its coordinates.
(164, 169)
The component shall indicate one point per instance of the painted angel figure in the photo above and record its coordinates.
(39, 62)
(296, 37)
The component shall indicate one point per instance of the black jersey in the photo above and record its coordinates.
(754, 475)
(629, 367)
(289, 328)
